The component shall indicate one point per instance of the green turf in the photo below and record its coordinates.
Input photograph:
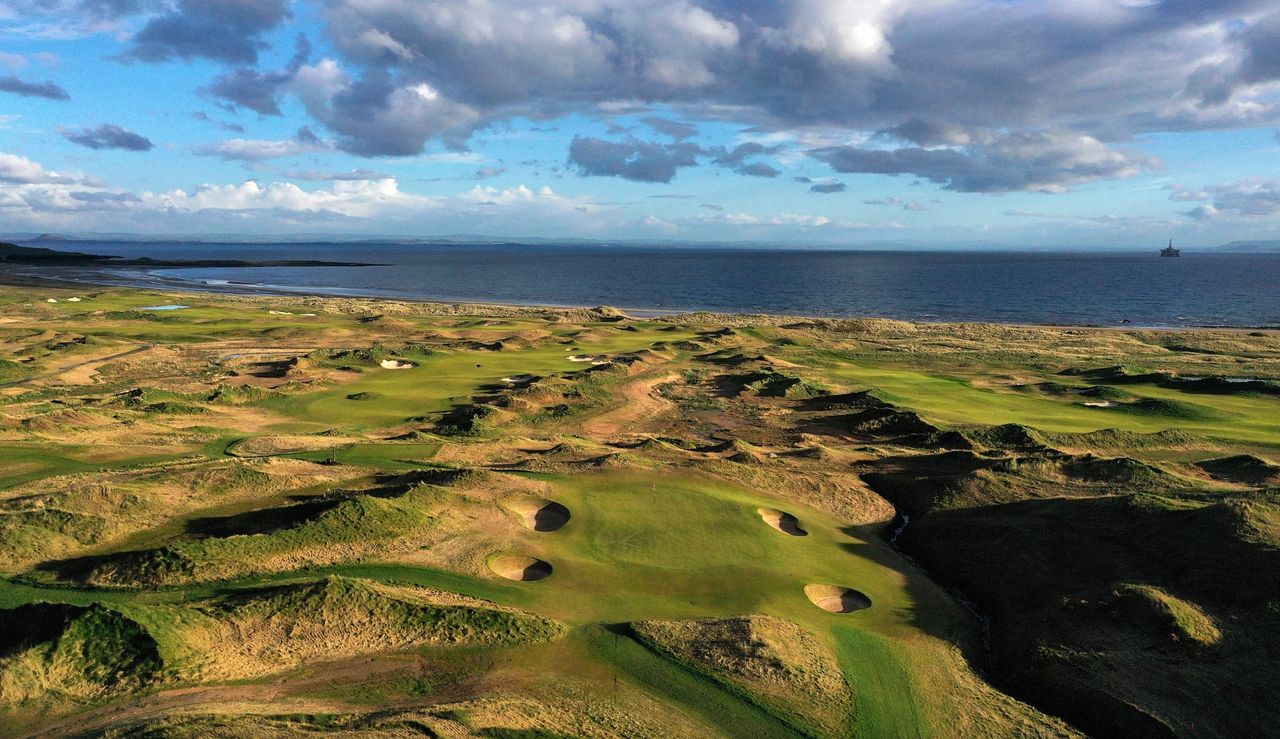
(956, 401)
(440, 381)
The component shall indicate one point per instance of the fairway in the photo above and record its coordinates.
(955, 400)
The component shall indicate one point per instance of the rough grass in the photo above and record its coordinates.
(11, 371)
(1183, 619)
(773, 662)
(264, 631)
(356, 527)
(51, 652)
(1043, 571)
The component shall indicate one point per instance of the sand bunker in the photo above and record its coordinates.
(836, 599)
(520, 379)
(397, 364)
(539, 514)
(519, 567)
(782, 521)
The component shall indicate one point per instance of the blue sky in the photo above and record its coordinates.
(1107, 123)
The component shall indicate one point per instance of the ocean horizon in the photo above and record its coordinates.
(1092, 288)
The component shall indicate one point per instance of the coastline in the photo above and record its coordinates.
(245, 290)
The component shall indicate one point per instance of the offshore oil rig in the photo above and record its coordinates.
(1170, 250)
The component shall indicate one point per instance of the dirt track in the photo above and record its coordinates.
(640, 408)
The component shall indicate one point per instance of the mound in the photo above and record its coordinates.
(861, 399)
(1011, 436)
(539, 514)
(919, 484)
(836, 598)
(948, 440)
(520, 567)
(241, 395)
(1226, 385)
(266, 630)
(32, 534)
(1104, 392)
(1040, 567)
(888, 422)
(1124, 470)
(266, 446)
(769, 383)
(358, 526)
(1115, 439)
(468, 419)
(1161, 407)
(728, 357)
(775, 663)
(1166, 614)
(1244, 468)
(52, 650)
(782, 521)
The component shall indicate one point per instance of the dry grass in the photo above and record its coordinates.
(774, 661)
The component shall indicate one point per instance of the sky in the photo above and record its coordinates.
(1098, 123)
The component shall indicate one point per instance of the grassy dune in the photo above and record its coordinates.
(357, 515)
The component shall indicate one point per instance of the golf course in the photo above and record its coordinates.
(227, 515)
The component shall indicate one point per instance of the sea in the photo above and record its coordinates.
(1139, 289)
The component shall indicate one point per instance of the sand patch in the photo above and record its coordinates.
(836, 598)
(642, 409)
(396, 364)
(520, 567)
(782, 521)
(540, 514)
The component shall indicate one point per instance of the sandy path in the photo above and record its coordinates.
(639, 408)
(271, 697)
(79, 372)
(83, 373)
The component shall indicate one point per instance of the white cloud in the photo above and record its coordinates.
(257, 150)
(1247, 199)
(1104, 68)
(20, 170)
(33, 196)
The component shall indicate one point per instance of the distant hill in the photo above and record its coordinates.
(14, 254)
(1252, 247)
(40, 255)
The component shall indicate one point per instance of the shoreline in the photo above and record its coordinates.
(244, 290)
